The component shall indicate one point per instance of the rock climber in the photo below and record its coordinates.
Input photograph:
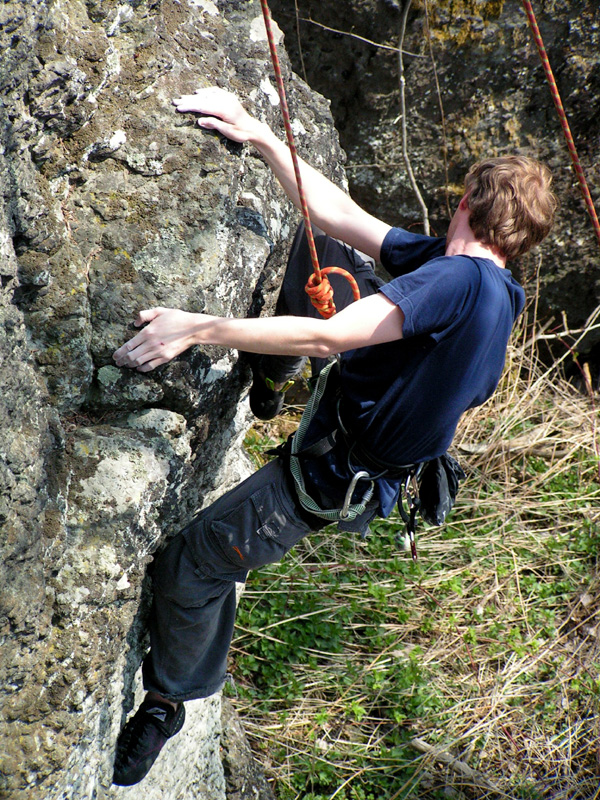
(414, 354)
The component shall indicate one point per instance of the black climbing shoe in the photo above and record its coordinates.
(266, 401)
(142, 739)
(272, 376)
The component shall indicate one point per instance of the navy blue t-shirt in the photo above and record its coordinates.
(403, 399)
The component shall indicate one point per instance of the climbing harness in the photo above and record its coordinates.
(318, 287)
(429, 488)
(349, 510)
(562, 116)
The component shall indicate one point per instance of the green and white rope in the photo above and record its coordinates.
(306, 501)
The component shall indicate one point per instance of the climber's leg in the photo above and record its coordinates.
(194, 602)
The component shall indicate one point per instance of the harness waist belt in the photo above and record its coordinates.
(359, 460)
(365, 458)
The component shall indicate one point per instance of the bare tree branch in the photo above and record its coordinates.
(360, 38)
(409, 169)
(300, 41)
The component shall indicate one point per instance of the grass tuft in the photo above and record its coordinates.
(473, 673)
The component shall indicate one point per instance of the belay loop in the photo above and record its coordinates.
(318, 287)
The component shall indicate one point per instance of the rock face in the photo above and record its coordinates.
(493, 99)
(244, 779)
(111, 202)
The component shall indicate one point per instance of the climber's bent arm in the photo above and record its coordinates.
(330, 208)
(373, 320)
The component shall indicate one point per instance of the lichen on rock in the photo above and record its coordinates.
(112, 202)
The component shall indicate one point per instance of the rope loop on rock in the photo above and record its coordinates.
(318, 287)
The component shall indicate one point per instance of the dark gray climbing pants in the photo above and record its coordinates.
(254, 524)
(194, 581)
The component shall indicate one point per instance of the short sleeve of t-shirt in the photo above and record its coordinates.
(434, 297)
(402, 252)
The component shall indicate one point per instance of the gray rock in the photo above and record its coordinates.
(112, 202)
(244, 778)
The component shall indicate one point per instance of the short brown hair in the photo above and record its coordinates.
(512, 206)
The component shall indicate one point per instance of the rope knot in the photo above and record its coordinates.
(321, 295)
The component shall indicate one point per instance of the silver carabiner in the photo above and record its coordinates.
(358, 476)
(411, 497)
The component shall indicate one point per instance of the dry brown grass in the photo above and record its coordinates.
(502, 614)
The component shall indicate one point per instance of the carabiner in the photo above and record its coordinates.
(358, 476)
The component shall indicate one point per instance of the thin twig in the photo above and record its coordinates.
(409, 169)
(454, 763)
(548, 337)
(360, 38)
(301, 54)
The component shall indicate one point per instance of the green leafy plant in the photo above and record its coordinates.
(474, 672)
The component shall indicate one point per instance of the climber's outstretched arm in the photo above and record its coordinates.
(373, 320)
(330, 208)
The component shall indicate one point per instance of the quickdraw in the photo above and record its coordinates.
(410, 490)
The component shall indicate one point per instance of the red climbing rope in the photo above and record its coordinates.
(561, 114)
(318, 287)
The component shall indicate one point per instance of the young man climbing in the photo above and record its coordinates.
(415, 354)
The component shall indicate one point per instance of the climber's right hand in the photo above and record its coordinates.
(221, 111)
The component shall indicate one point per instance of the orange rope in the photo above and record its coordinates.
(318, 287)
(562, 116)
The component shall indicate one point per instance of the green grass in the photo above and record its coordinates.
(473, 673)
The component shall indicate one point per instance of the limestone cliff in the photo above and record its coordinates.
(111, 202)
